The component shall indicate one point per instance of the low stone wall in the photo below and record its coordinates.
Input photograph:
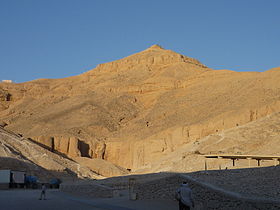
(204, 196)
(163, 188)
(90, 190)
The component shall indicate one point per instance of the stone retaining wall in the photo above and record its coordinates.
(90, 190)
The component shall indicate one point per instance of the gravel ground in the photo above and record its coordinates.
(258, 182)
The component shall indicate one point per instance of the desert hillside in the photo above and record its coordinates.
(135, 111)
(260, 137)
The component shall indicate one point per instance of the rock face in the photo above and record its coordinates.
(3, 124)
(136, 110)
(72, 146)
(102, 167)
(69, 146)
(4, 95)
(18, 153)
(259, 137)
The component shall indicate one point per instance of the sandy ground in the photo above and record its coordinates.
(28, 200)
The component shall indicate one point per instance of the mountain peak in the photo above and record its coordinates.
(155, 47)
(154, 55)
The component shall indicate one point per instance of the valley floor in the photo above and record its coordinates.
(254, 188)
(250, 189)
(28, 200)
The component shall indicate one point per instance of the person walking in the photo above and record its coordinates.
(43, 192)
(184, 196)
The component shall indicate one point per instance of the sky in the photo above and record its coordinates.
(61, 38)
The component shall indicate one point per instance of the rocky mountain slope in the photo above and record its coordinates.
(134, 111)
(259, 137)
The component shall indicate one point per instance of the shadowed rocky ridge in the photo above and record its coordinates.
(18, 153)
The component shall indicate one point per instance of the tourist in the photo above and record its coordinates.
(43, 192)
(184, 196)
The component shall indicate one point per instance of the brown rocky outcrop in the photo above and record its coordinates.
(72, 146)
(19, 153)
(3, 124)
(66, 145)
(5, 96)
(97, 149)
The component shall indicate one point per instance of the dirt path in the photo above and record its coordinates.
(28, 200)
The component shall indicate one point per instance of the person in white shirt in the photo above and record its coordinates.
(43, 192)
(184, 196)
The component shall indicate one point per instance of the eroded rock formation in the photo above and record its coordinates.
(70, 146)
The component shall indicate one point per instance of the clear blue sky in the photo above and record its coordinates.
(60, 38)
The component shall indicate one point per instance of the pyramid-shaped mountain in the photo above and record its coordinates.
(135, 110)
